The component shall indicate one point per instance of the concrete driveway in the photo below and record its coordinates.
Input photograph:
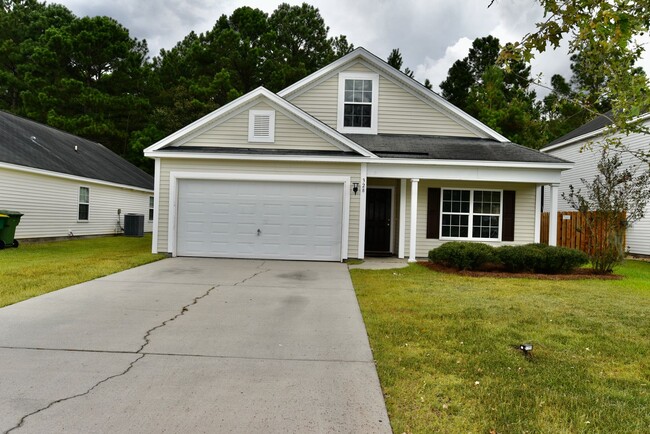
(192, 345)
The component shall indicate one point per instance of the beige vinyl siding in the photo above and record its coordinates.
(50, 205)
(524, 212)
(233, 133)
(638, 235)
(320, 101)
(256, 168)
(400, 111)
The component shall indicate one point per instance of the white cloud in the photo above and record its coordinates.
(431, 34)
(436, 69)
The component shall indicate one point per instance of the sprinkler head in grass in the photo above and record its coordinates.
(526, 348)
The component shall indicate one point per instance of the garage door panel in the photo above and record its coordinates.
(295, 220)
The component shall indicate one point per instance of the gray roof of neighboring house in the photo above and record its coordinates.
(27, 143)
(600, 121)
(449, 148)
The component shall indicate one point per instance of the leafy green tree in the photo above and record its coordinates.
(468, 72)
(483, 54)
(341, 46)
(395, 59)
(561, 110)
(455, 88)
(496, 93)
(22, 24)
(604, 37)
(509, 111)
(88, 77)
(297, 45)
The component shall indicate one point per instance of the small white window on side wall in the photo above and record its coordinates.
(261, 126)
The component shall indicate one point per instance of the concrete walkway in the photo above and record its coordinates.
(192, 345)
(381, 264)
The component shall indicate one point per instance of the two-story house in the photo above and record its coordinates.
(356, 159)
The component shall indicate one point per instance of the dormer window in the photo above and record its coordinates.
(358, 103)
(261, 126)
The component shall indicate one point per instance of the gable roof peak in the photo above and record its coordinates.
(397, 75)
(207, 120)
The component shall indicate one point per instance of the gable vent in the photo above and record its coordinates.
(261, 126)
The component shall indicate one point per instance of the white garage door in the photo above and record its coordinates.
(259, 219)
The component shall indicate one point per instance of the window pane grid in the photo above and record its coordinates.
(83, 194)
(356, 115)
(481, 220)
(358, 91)
(84, 203)
(357, 108)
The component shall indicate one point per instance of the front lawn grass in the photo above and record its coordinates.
(443, 345)
(37, 268)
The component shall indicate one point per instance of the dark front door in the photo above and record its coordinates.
(378, 212)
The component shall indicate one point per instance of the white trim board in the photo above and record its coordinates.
(371, 161)
(363, 186)
(156, 207)
(175, 176)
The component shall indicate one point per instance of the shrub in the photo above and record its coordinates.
(540, 258)
(519, 259)
(562, 260)
(463, 255)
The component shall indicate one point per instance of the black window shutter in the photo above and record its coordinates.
(433, 213)
(508, 230)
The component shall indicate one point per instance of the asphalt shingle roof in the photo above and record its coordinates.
(27, 143)
(600, 121)
(449, 148)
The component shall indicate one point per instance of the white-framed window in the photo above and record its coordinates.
(471, 214)
(150, 208)
(261, 126)
(358, 103)
(84, 203)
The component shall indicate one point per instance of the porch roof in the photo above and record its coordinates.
(449, 148)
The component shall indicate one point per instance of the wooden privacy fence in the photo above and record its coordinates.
(570, 230)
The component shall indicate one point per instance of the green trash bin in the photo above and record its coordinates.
(8, 222)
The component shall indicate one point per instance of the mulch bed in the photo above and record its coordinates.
(496, 271)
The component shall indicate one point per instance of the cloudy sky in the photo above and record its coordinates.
(431, 34)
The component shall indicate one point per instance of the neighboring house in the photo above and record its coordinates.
(572, 147)
(356, 159)
(65, 185)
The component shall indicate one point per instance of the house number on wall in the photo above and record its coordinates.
(363, 185)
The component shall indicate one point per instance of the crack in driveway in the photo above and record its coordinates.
(141, 355)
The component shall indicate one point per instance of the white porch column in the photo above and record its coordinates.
(552, 227)
(156, 205)
(538, 213)
(361, 252)
(414, 218)
(401, 243)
